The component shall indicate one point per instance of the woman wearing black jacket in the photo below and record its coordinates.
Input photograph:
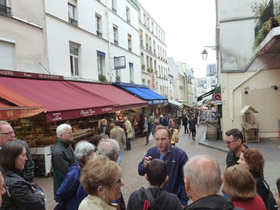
(20, 194)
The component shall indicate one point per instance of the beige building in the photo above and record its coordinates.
(22, 42)
(248, 76)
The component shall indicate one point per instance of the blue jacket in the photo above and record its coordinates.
(67, 191)
(175, 163)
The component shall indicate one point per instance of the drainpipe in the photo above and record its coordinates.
(109, 43)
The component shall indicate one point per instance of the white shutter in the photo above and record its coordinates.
(7, 55)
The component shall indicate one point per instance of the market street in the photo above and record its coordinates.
(132, 181)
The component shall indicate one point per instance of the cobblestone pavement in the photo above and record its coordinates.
(132, 181)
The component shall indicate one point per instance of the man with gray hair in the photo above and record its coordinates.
(7, 134)
(109, 148)
(202, 182)
(62, 154)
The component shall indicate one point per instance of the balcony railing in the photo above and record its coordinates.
(5, 10)
(268, 13)
(73, 21)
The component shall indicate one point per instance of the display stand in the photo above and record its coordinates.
(42, 159)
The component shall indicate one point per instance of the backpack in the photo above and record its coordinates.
(149, 204)
(270, 202)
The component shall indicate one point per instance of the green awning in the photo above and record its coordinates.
(188, 105)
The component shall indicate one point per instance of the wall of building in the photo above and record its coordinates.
(260, 95)
(25, 30)
(61, 33)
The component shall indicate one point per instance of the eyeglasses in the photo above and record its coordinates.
(229, 142)
(8, 133)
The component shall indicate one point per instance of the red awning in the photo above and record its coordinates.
(14, 106)
(61, 100)
(123, 99)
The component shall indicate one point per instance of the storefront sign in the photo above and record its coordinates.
(152, 102)
(72, 114)
(19, 113)
(30, 75)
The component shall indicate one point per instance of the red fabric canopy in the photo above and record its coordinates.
(123, 99)
(61, 100)
(13, 106)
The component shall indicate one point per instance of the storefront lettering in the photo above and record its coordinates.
(3, 72)
(27, 75)
(57, 116)
(87, 112)
(108, 109)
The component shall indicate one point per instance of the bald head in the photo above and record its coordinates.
(202, 176)
(109, 148)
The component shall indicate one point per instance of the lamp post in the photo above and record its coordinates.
(204, 54)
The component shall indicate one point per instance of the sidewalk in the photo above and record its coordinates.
(269, 148)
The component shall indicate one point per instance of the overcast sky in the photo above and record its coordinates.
(189, 26)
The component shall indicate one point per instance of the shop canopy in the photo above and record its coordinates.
(14, 106)
(123, 99)
(144, 93)
(175, 104)
(61, 100)
(188, 105)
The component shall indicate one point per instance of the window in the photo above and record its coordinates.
(100, 62)
(74, 60)
(154, 46)
(141, 37)
(128, 14)
(114, 6)
(72, 14)
(152, 29)
(131, 72)
(4, 10)
(147, 41)
(7, 51)
(143, 81)
(149, 83)
(98, 25)
(129, 42)
(148, 22)
(116, 35)
(147, 61)
(150, 44)
(144, 17)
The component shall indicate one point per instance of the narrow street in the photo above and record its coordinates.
(132, 181)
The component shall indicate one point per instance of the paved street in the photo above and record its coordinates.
(131, 159)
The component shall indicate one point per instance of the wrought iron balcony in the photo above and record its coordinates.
(5, 10)
(73, 21)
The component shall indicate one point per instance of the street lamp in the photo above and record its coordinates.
(204, 54)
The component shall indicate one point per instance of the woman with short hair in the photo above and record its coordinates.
(66, 193)
(101, 179)
(21, 194)
(253, 160)
(240, 185)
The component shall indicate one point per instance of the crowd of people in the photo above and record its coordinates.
(89, 177)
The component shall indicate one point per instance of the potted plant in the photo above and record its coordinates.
(143, 66)
(102, 78)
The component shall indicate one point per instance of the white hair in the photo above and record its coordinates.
(203, 174)
(83, 149)
(108, 148)
(61, 128)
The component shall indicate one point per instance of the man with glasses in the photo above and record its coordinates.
(62, 154)
(7, 134)
(234, 142)
(175, 159)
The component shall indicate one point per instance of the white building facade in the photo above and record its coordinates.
(22, 40)
(248, 76)
(153, 53)
(90, 34)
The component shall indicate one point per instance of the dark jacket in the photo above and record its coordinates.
(104, 130)
(62, 159)
(29, 166)
(185, 120)
(175, 163)
(163, 200)
(263, 190)
(69, 188)
(231, 159)
(212, 202)
(192, 124)
(22, 195)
